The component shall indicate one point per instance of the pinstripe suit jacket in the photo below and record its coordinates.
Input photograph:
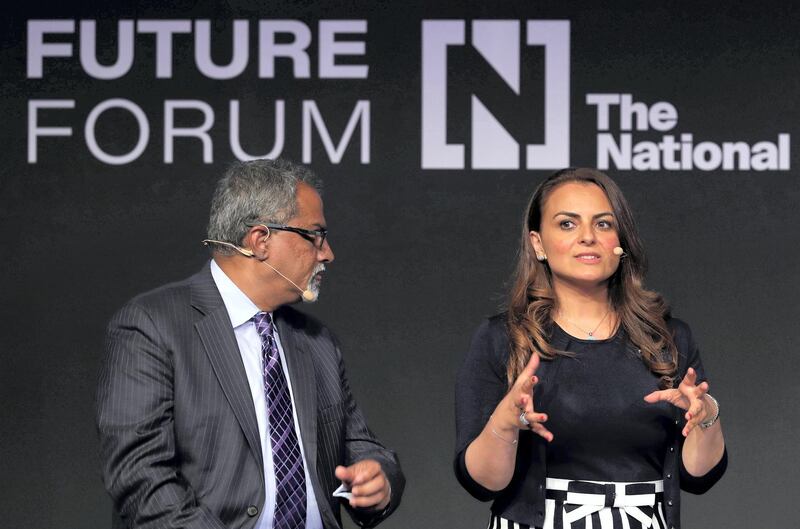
(178, 432)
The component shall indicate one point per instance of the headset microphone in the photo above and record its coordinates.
(619, 252)
(307, 295)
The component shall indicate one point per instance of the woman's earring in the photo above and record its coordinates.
(541, 257)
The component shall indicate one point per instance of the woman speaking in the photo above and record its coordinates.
(585, 405)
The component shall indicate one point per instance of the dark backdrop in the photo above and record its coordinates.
(421, 254)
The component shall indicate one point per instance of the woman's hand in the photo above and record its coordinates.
(519, 401)
(688, 396)
(491, 457)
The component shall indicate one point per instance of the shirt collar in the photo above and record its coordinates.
(240, 308)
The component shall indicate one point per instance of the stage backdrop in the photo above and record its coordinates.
(430, 123)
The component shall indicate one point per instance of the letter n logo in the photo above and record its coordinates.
(498, 43)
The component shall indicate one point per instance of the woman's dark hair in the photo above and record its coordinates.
(641, 313)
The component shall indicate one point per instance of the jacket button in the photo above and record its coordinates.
(669, 476)
(671, 448)
(669, 502)
(252, 511)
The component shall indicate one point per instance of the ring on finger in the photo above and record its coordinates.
(524, 420)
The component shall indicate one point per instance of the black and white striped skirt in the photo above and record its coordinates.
(598, 505)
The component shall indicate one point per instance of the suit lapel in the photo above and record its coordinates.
(299, 364)
(220, 345)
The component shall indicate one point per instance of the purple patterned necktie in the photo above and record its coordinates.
(290, 478)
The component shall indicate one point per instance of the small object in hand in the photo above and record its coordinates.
(524, 419)
(343, 491)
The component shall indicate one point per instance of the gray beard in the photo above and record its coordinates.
(313, 283)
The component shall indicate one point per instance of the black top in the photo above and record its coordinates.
(481, 384)
(603, 429)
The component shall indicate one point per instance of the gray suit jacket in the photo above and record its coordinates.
(178, 432)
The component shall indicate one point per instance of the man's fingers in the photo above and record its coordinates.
(365, 471)
(368, 501)
(358, 473)
(371, 487)
(344, 473)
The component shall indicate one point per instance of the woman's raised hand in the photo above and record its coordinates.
(516, 409)
(687, 396)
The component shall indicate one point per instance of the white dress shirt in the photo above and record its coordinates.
(241, 311)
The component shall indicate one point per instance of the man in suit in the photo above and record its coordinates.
(219, 406)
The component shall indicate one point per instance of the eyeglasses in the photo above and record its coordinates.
(315, 237)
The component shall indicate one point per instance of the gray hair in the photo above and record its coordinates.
(258, 190)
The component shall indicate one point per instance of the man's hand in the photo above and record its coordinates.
(367, 483)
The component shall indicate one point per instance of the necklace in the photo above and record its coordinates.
(589, 333)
